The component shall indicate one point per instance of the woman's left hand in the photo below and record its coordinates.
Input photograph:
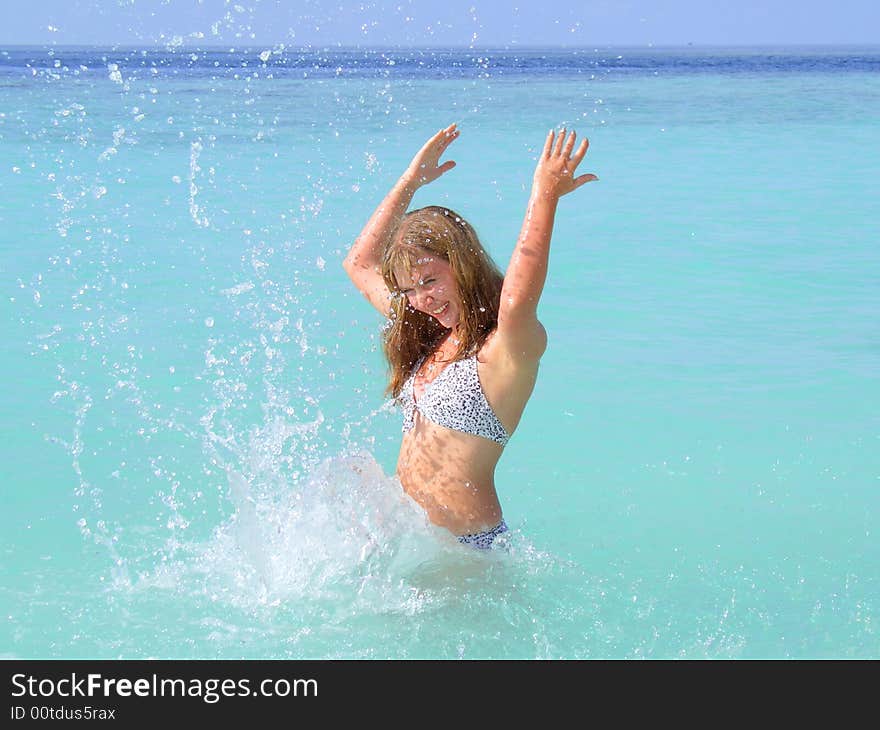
(554, 175)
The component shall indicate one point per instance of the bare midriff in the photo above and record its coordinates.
(451, 475)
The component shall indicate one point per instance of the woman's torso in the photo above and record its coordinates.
(449, 472)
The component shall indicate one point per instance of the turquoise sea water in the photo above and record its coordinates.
(198, 456)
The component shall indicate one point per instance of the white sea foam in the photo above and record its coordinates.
(345, 533)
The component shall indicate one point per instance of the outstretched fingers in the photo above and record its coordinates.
(563, 145)
(557, 150)
(425, 166)
(562, 154)
(581, 151)
(449, 135)
(443, 138)
(446, 136)
(569, 144)
(548, 144)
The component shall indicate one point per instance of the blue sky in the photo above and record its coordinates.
(495, 23)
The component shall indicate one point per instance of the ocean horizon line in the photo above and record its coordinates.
(380, 48)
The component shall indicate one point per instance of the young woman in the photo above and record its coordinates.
(463, 343)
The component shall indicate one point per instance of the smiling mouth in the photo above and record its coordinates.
(442, 309)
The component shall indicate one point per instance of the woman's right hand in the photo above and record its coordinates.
(425, 166)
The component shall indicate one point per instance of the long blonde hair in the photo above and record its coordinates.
(413, 335)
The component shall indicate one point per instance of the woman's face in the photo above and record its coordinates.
(430, 287)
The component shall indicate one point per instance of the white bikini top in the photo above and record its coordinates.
(454, 399)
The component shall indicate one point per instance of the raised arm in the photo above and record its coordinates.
(363, 262)
(527, 271)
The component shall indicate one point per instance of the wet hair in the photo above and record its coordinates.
(412, 335)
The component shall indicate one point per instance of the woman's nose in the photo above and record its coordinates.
(424, 296)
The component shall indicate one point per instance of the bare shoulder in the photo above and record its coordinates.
(508, 372)
(507, 349)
